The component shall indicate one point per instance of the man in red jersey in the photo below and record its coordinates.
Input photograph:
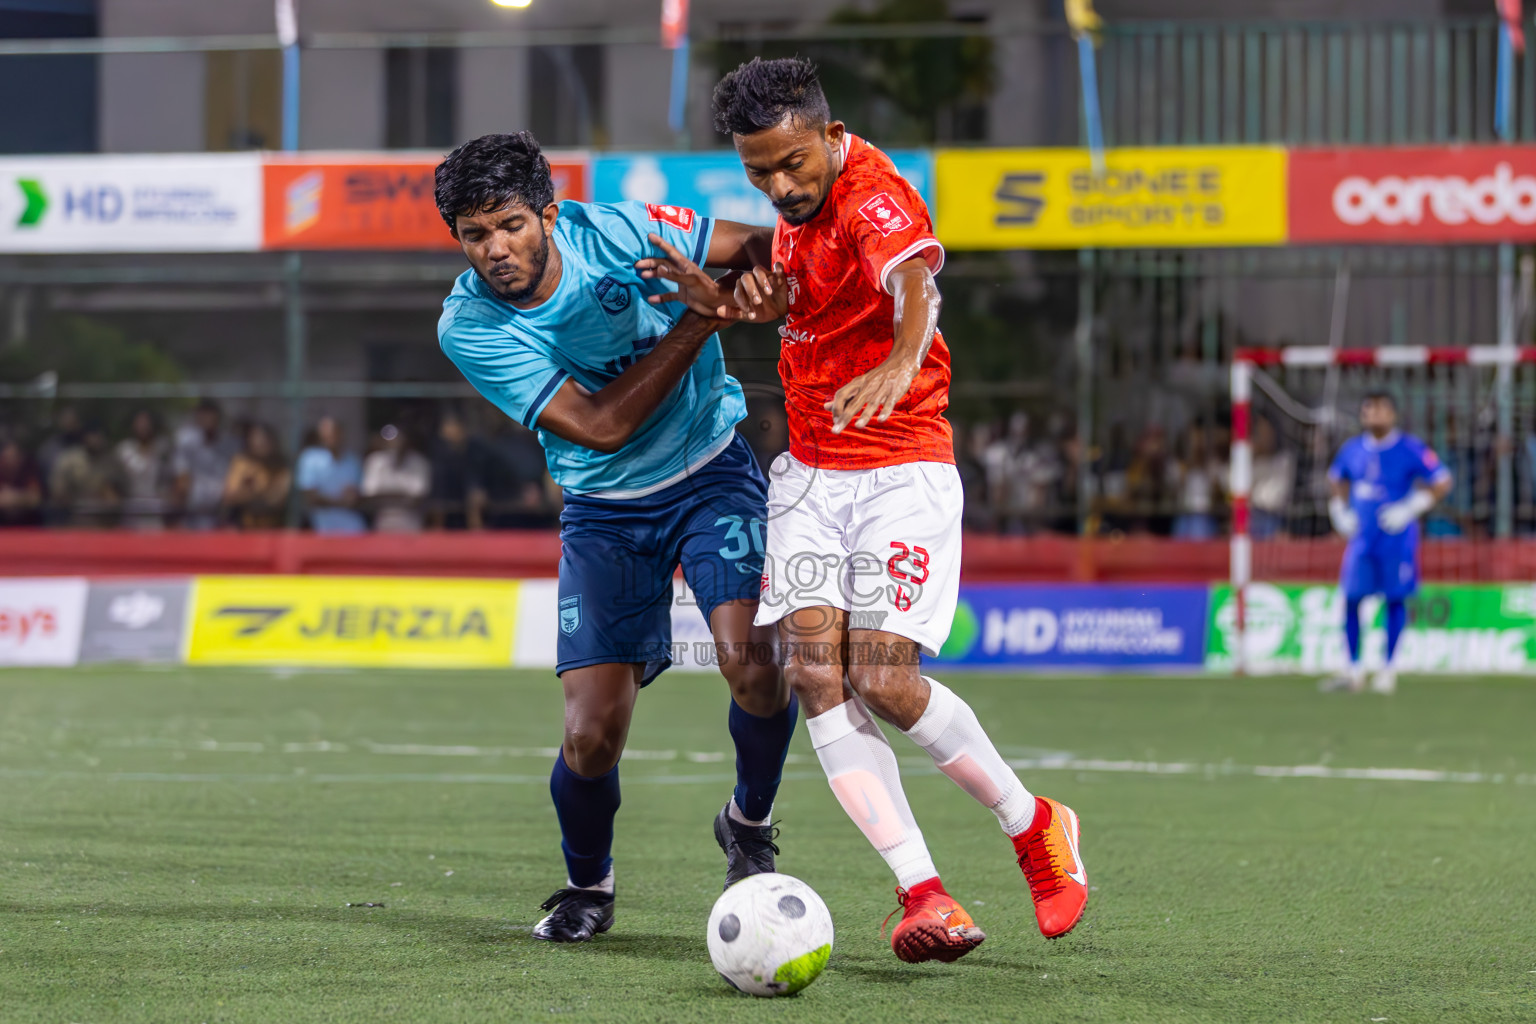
(863, 549)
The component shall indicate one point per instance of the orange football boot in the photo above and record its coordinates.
(1050, 861)
(933, 926)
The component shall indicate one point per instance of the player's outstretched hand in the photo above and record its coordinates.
(873, 394)
(763, 294)
(695, 288)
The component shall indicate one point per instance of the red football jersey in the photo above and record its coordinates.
(841, 318)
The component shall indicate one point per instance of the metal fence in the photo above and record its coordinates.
(285, 338)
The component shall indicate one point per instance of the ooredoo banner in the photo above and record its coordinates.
(1413, 194)
(195, 202)
(40, 620)
(358, 201)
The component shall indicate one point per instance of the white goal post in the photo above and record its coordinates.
(1251, 366)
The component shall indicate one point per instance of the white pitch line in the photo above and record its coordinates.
(1292, 771)
(909, 766)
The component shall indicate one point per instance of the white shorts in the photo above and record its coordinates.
(881, 544)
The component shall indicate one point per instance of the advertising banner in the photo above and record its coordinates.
(203, 202)
(1053, 198)
(1083, 626)
(1300, 628)
(1413, 194)
(358, 201)
(337, 620)
(714, 183)
(40, 620)
(134, 621)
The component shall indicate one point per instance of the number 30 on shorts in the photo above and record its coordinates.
(916, 572)
(738, 541)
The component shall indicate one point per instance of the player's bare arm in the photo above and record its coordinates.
(605, 420)
(875, 394)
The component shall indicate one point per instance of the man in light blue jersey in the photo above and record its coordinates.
(629, 396)
(1383, 481)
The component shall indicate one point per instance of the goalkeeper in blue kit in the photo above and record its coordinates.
(1383, 481)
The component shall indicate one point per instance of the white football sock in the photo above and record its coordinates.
(861, 767)
(606, 885)
(949, 730)
(736, 815)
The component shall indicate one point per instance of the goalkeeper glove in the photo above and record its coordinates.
(1344, 519)
(1394, 518)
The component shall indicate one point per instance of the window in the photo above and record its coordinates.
(243, 107)
(565, 89)
(421, 98)
(50, 100)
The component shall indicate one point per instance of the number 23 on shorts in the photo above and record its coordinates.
(916, 572)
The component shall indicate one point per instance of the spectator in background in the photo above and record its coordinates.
(453, 477)
(329, 478)
(970, 460)
(201, 463)
(1199, 483)
(144, 465)
(1148, 494)
(21, 488)
(1007, 492)
(396, 481)
(512, 471)
(1274, 482)
(1064, 496)
(66, 434)
(257, 485)
(85, 485)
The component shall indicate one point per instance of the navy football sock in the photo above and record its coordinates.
(761, 744)
(1352, 629)
(1397, 618)
(586, 808)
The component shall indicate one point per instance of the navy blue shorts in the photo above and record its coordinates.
(617, 558)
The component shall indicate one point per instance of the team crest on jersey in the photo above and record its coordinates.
(612, 296)
(570, 614)
(679, 217)
(883, 213)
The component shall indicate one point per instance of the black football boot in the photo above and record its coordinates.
(749, 849)
(575, 915)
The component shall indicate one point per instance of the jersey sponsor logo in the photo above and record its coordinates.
(794, 289)
(612, 296)
(570, 614)
(795, 336)
(679, 217)
(884, 213)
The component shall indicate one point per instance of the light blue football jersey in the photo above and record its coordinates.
(1381, 472)
(595, 326)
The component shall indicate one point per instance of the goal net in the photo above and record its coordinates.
(1291, 410)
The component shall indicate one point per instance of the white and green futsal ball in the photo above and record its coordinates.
(770, 935)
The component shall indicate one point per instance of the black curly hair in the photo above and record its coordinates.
(492, 172)
(759, 93)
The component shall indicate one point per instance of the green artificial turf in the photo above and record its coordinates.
(182, 845)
